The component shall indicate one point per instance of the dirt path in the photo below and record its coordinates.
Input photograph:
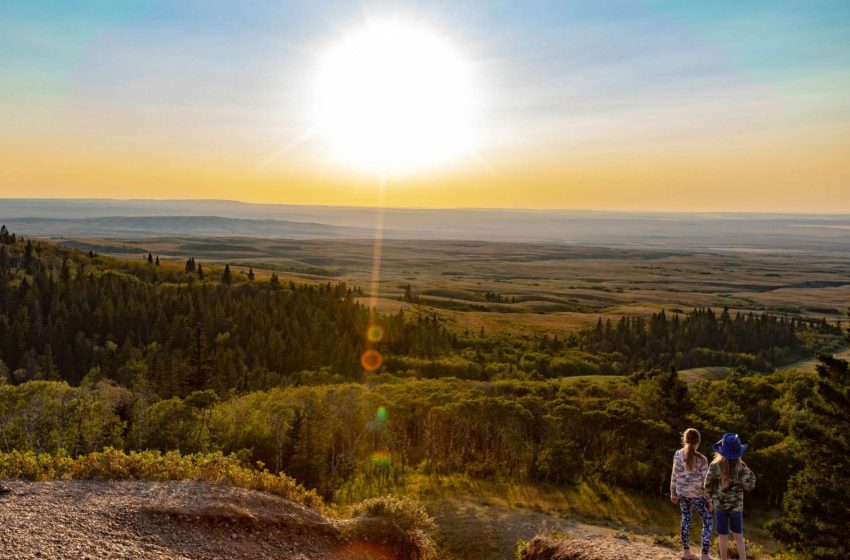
(594, 548)
(473, 531)
(157, 520)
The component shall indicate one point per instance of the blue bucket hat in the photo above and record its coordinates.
(730, 447)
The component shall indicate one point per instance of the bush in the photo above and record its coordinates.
(112, 464)
(399, 522)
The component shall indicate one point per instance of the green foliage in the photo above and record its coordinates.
(64, 314)
(112, 464)
(816, 513)
(400, 522)
(703, 338)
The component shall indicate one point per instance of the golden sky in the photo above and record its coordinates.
(647, 108)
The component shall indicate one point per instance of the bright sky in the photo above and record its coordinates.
(605, 105)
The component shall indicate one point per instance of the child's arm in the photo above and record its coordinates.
(710, 483)
(706, 494)
(748, 479)
(674, 497)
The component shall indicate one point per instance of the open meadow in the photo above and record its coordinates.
(526, 288)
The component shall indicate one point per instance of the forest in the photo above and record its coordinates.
(100, 353)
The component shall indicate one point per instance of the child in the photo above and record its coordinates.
(687, 490)
(728, 477)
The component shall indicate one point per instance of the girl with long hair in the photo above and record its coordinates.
(687, 489)
(727, 480)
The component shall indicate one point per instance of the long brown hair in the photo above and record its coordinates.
(728, 469)
(690, 442)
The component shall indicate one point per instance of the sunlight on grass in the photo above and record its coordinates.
(594, 504)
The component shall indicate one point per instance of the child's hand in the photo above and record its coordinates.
(674, 499)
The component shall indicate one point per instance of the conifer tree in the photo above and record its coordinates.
(157, 260)
(200, 272)
(250, 273)
(226, 277)
(150, 258)
(816, 513)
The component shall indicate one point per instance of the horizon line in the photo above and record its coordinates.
(433, 208)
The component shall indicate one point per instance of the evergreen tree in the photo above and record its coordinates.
(150, 258)
(200, 271)
(250, 273)
(226, 277)
(816, 511)
(157, 260)
(190, 265)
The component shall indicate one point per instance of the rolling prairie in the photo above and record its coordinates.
(523, 288)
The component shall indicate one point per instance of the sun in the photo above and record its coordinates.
(395, 97)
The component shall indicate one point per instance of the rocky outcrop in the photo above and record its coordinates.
(157, 521)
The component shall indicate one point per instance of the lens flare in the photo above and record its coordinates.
(375, 333)
(360, 550)
(371, 360)
(381, 459)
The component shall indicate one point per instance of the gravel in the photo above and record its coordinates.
(124, 520)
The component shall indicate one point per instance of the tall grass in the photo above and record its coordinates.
(113, 464)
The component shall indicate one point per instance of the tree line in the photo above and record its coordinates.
(65, 315)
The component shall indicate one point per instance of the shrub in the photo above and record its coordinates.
(399, 522)
(112, 464)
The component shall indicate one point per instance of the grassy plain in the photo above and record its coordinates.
(528, 288)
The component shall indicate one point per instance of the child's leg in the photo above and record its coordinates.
(723, 546)
(736, 520)
(685, 506)
(739, 542)
(707, 523)
(722, 533)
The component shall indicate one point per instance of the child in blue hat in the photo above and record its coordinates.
(727, 479)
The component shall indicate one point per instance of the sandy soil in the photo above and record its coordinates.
(157, 520)
(595, 548)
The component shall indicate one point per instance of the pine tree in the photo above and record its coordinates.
(190, 265)
(200, 272)
(250, 273)
(816, 513)
(274, 281)
(150, 258)
(226, 277)
(157, 260)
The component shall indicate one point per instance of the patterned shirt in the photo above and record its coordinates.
(685, 483)
(730, 498)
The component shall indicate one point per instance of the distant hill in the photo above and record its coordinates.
(123, 227)
(728, 232)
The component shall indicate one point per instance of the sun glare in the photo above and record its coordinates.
(395, 97)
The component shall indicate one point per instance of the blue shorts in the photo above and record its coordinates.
(725, 519)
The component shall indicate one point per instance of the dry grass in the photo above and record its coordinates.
(558, 289)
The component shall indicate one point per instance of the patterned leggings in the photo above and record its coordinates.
(687, 505)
